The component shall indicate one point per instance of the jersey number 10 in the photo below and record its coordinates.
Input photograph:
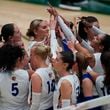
(51, 86)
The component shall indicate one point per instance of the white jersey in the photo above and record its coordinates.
(48, 86)
(98, 66)
(102, 90)
(32, 43)
(14, 90)
(74, 81)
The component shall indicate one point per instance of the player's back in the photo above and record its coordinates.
(74, 81)
(48, 86)
(102, 89)
(14, 90)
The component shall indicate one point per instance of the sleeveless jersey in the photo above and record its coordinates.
(32, 43)
(102, 90)
(14, 90)
(74, 81)
(48, 87)
(98, 66)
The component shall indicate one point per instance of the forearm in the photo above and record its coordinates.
(97, 30)
(35, 101)
(87, 46)
(83, 50)
(53, 43)
(66, 30)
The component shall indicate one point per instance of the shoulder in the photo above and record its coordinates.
(64, 82)
(44, 71)
(73, 79)
(39, 70)
(40, 73)
(22, 74)
(70, 79)
(21, 71)
(65, 89)
(35, 78)
(65, 85)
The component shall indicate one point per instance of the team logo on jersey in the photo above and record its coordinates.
(50, 75)
(13, 78)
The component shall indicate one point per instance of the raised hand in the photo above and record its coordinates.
(52, 11)
(53, 22)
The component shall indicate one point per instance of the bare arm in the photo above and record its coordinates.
(65, 92)
(82, 50)
(36, 83)
(36, 91)
(87, 86)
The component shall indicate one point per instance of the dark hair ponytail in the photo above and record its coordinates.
(105, 42)
(7, 31)
(9, 55)
(105, 60)
(33, 26)
(68, 57)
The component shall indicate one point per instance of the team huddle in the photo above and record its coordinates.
(65, 63)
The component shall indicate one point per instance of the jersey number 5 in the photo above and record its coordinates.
(15, 90)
